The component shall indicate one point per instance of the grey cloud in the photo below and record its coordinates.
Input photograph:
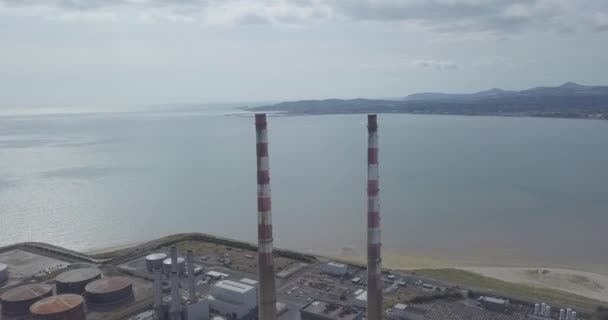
(438, 65)
(449, 16)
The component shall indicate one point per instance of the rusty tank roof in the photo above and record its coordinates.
(57, 304)
(107, 285)
(27, 292)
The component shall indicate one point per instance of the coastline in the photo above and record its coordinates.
(587, 281)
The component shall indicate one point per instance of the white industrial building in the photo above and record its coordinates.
(230, 298)
(335, 268)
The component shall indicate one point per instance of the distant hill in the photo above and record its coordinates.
(570, 100)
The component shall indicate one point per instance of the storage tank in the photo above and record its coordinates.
(17, 301)
(74, 281)
(3, 273)
(109, 291)
(155, 260)
(181, 266)
(60, 307)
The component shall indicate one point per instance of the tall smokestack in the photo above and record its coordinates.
(191, 287)
(374, 262)
(158, 294)
(175, 308)
(266, 288)
(173, 259)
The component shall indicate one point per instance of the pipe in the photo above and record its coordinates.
(266, 288)
(374, 260)
(191, 286)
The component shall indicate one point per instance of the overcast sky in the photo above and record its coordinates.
(118, 52)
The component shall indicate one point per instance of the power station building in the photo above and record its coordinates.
(233, 299)
(335, 268)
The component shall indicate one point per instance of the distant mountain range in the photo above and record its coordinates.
(570, 100)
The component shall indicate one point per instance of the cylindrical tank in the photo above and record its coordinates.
(573, 316)
(74, 281)
(543, 307)
(181, 266)
(3, 273)
(548, 311)
(568, 314)
(17, 301)
(536, 309)
(155, 260)
(109, 291)
(562, 314)
(60, 307)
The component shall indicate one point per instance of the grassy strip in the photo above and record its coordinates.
(475, 281)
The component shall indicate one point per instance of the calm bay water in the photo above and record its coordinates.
(517, 185)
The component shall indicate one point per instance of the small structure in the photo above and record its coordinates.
(60, 307)
(323, 310)
(216, 275)
(17, 301)
(233, 299)
(155, 260)
(335, 268)
(494, 304)
(74, 281)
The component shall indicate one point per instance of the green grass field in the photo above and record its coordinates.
(475, 281)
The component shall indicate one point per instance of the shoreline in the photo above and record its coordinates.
(586, 281)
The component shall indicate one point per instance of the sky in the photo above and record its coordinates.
(135, 52)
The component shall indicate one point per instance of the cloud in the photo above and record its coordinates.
(448, 16)
(439, 65)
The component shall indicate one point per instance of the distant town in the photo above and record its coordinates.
(569, 100)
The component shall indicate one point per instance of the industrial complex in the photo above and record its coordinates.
(202, 277)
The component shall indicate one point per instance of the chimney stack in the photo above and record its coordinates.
(174, 259)
(175, 309)
(191, 280)
(158, 294)
(374, 262)
(266, 288)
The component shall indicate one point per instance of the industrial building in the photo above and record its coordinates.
(74, 281)
(494, 304)
(60, 307)
(335, 268)
(361, 299)
(323, 310)
(231, 298)
(17, 301)
(3, 273)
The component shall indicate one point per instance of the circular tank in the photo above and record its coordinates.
(74, 281)
(60, 307)
(17, 301)
(181, 266)
(155, 260)
(109, 291)
(3, 273)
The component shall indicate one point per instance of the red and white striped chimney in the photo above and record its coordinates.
(374, 262)
(266, 288)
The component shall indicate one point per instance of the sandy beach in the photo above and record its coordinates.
(586, 280)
